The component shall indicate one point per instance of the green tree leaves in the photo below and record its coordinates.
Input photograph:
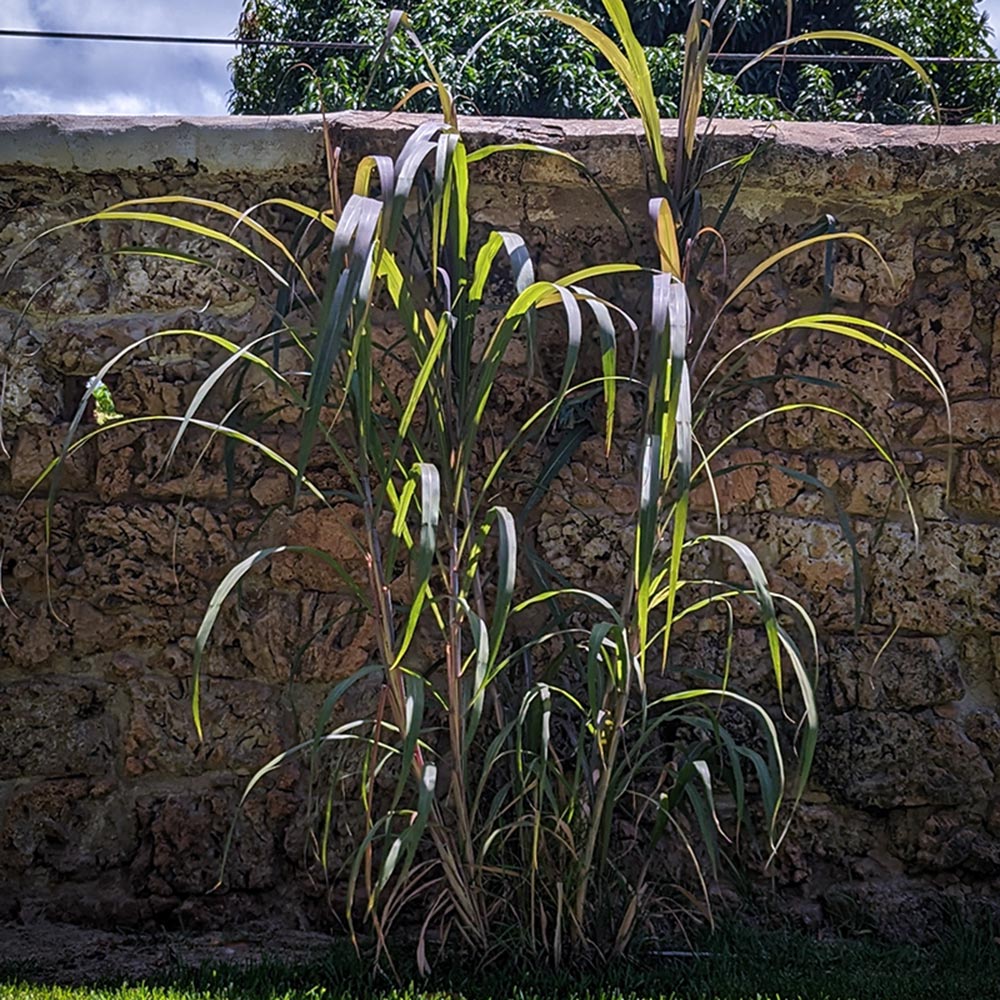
(530, 66)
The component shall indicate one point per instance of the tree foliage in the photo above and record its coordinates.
(527, 66)
(532, 66)
(884, 92)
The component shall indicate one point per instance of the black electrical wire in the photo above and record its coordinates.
(96, 36)
(821, 57)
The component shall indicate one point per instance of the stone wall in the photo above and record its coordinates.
(112, 812)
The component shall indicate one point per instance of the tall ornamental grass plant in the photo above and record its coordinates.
(535, 751)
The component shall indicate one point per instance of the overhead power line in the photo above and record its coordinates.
(100, 36)
(798, 57)
(816, 57)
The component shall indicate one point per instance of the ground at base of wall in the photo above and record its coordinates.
(68, 954)
(736, 962)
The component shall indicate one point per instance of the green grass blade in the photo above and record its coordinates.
(229, 581)
(506, 577)
(755, 571)
(350, 257)
(430, 512)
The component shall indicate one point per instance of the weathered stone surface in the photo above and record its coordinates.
(826, 841)
(133, 460)
(81, 290)
(906, 674)
(307, 637)
(149, 629)
(68, 143)
(28, 398)
(703, 652)
(29, 641)
(900, 910)
(973, 421)
(151, 553)
(144, 284)
(983, 728)
(337, 533)
(859, 275)
(833, 833)
(55, 727)
(86, 344)
(809, 561)
(871, 489)
(182, 839)
(977, 480)
(241, 720)
(943, 329)
(939, 840)
(587, 547)
(33, 564)
(74, 827)
(585, 525)
(950, 582)
(883, 760)
(740, 479)
(105, 901)
(34, 451)
(980, 247)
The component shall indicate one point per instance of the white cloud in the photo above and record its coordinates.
(152, 17)
(38, 102)
(88, 77)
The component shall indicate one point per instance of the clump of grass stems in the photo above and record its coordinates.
(520, 787)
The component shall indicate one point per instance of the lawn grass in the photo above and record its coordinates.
(743, 966)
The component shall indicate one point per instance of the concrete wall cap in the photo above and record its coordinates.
(926, 156)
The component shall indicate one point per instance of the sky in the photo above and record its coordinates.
(118, 78)
(992, 8)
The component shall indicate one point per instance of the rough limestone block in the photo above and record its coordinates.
(973, 421)
(155, 284)
(75, 828)
(808, 560)
(54, 727)
(909, 673)
(309, 636)
(243, 727)
(952, 582)
(977, 481)
(33, 452)
(81, 285)
(942, 324)
(336, 532)
(942, 840)
(182, 837)
(882, 760)
(151, 553)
